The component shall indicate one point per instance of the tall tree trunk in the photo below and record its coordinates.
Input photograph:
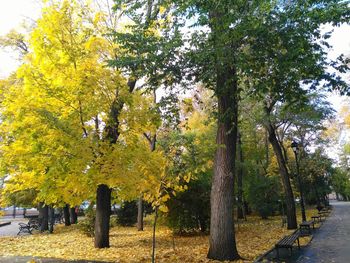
(152, 140)
(222, 241)
(240, 179)
(44, 217)
(222, 236)
(103, 212)
(154, 235)
(267, 157)
(66, 215)
(14, 211)
(140, 214)
(291, 215)
(73, 216)
(103, 192)
(51, 212)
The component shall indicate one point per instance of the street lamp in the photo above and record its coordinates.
(295, 148)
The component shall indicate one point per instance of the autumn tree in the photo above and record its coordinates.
(290, 50)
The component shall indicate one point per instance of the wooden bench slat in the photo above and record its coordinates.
(288, 241)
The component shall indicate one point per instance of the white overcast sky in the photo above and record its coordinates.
(12, 14)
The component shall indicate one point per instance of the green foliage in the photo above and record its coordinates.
(25, 198)
(340, 182)
(127, 214)
(263, 194)
(190, 210)
(316, 171)
(113, 221)
(87, 225)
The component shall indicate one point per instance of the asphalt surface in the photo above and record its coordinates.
(12, 229)
(331, 243)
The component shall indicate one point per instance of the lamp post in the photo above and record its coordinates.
(295, 148)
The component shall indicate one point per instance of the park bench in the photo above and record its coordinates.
(58, 219)
(322, 215)
(325, 211)
(33, 224)
(305, 227)
(24, 228)
(287, 242)
(328, 207)
(316, 218)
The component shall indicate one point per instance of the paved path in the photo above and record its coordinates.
(331, 243)
(12, 229)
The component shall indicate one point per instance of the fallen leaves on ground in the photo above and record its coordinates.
(254, 237)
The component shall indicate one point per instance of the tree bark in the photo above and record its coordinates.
(51, 212)
(240, 179)
(103, 212)
(154, 235)
(44, 217)
(222, 236)
(103, 192)
(14, 211)
(140, 214)
(73, 216)
(66, 215)
(222, 241)
(290, 203)
(152, 143)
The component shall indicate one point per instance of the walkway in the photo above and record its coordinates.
(12, 229)
(331, 243)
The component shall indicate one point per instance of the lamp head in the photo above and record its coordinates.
(294, 146)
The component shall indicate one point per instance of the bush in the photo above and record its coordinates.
(189, 211)
(113, 222)
(127, 214)
(262, 195)
(87, 225)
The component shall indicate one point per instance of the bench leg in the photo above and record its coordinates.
(298, 243)
(278, 253)
(23, 230)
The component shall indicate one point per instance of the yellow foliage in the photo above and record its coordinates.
(50, 141)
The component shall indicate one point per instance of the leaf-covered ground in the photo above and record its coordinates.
(254, 237)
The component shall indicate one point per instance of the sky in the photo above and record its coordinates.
(12, 14)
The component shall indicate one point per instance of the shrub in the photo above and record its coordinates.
(263, 195)
(189, 211)
(87, 225)
(127, 214)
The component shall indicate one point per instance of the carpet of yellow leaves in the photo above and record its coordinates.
(254, 237)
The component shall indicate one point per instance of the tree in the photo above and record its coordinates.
(340, 184)
(290, 50)
(194, 147)
(63, 116)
